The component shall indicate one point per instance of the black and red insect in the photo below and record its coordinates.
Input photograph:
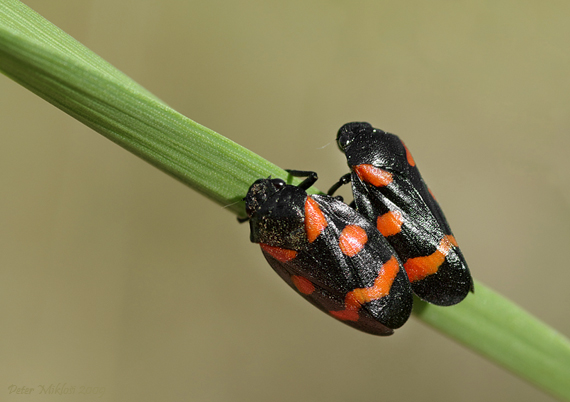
(389, 191)
(330, 254)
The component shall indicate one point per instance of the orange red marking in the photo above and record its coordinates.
(373, 175)
(409, 156)
(352, 239)
(420, 267)
(280, 254)
(390, 223)
(357, 297)
(315, 221)
(303, 285)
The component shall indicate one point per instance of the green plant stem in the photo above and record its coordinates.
(53, 65)
(56, 67)
(503, 332)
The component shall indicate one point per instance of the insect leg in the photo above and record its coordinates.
(311, 177)
(341, 182)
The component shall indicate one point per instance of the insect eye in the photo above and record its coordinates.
(342, 141)
(278, 183)
(350, 131)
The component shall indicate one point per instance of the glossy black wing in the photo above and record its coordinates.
(389, 190)
(348, 270)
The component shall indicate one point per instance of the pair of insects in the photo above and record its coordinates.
(360, 263)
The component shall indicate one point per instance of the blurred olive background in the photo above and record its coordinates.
(115, 275)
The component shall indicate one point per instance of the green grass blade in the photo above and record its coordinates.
(53, 65)
(503, 332)
(25, 22)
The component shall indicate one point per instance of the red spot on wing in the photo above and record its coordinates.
(345, 315)
(409, 156)
(315, 221)
(373, 175)
(352, 239)
(357, 297)
(280, 254)
(303, 285)
(390, 223)
(420, 267)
